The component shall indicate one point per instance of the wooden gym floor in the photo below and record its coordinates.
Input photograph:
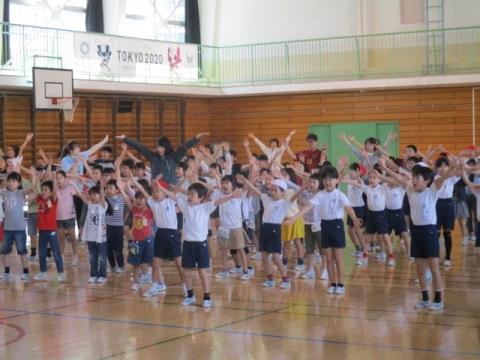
(374, 319)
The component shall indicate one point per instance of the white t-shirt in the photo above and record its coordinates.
(446, 191)
(95, 229)
(231, 214)
(395, 195)
(376, 197)
(164, 213)
(274, 211)
(331, 204)
(195, 219)
(423, 205)
(354, 194)
(2, 215)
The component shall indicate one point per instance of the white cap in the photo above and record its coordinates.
(280, 184)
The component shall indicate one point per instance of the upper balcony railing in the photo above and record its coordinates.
(116, 58)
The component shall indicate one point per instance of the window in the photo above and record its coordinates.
(57, 14)
(155, 19)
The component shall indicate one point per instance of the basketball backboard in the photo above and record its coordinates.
(50, 85)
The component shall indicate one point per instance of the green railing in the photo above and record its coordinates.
(406, 54)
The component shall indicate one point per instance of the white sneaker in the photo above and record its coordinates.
(473, 238)
(447, 263)
(222, 275)
(31, 258)
(300, 268)
(135, 286)
(360, 261)
(422, 304)
(189, 301)
(251, 271)
(331, 290)
(285, 285)
(111, 269)
(144, 279)
(465, 240)
(25, 277)
(75, 260)
(236, 270)
(391, 262)
(269, 284)
(381, 256)
(101, 280)
(256, 256)
(155, 289)
(207, 304)
(245, 277)
(41, 276)
(5, 276)
(60, 277)
(436, 306)
(309, 275)
(92, 280)
(340, 290)
(324, 275)
(119, 270)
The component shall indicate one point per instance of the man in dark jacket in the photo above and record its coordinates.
(164, 160)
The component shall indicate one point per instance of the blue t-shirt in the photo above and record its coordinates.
(68, 160)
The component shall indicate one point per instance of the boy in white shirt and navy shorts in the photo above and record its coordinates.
(332, 204)
(425, 247)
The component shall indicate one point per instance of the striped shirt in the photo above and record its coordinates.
(117, 203)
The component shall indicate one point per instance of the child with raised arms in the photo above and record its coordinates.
(332, 204)
(140, 249)
(274, 213)
(423, 192)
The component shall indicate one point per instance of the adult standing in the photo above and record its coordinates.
(164, 160)
(312, 157)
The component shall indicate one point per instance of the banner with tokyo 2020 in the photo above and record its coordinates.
(132, 58)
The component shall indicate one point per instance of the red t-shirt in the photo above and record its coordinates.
(47, 214)
(312, 158)
(142, 221)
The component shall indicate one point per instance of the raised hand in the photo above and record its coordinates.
(200, 135)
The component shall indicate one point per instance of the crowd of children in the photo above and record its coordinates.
(187, 202)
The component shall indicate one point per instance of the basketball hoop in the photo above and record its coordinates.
(67, 105)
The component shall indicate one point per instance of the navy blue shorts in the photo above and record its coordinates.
(333, 234)
(445, 214)
(424, 241)
(271, 238)
(167, 244)
(396, 221)
(359, 212)
(377, 223)
(477, 240)
(140, 252)
(195, 255)
(406, 206)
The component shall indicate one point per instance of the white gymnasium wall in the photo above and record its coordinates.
(234, 22)
(256, 21)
